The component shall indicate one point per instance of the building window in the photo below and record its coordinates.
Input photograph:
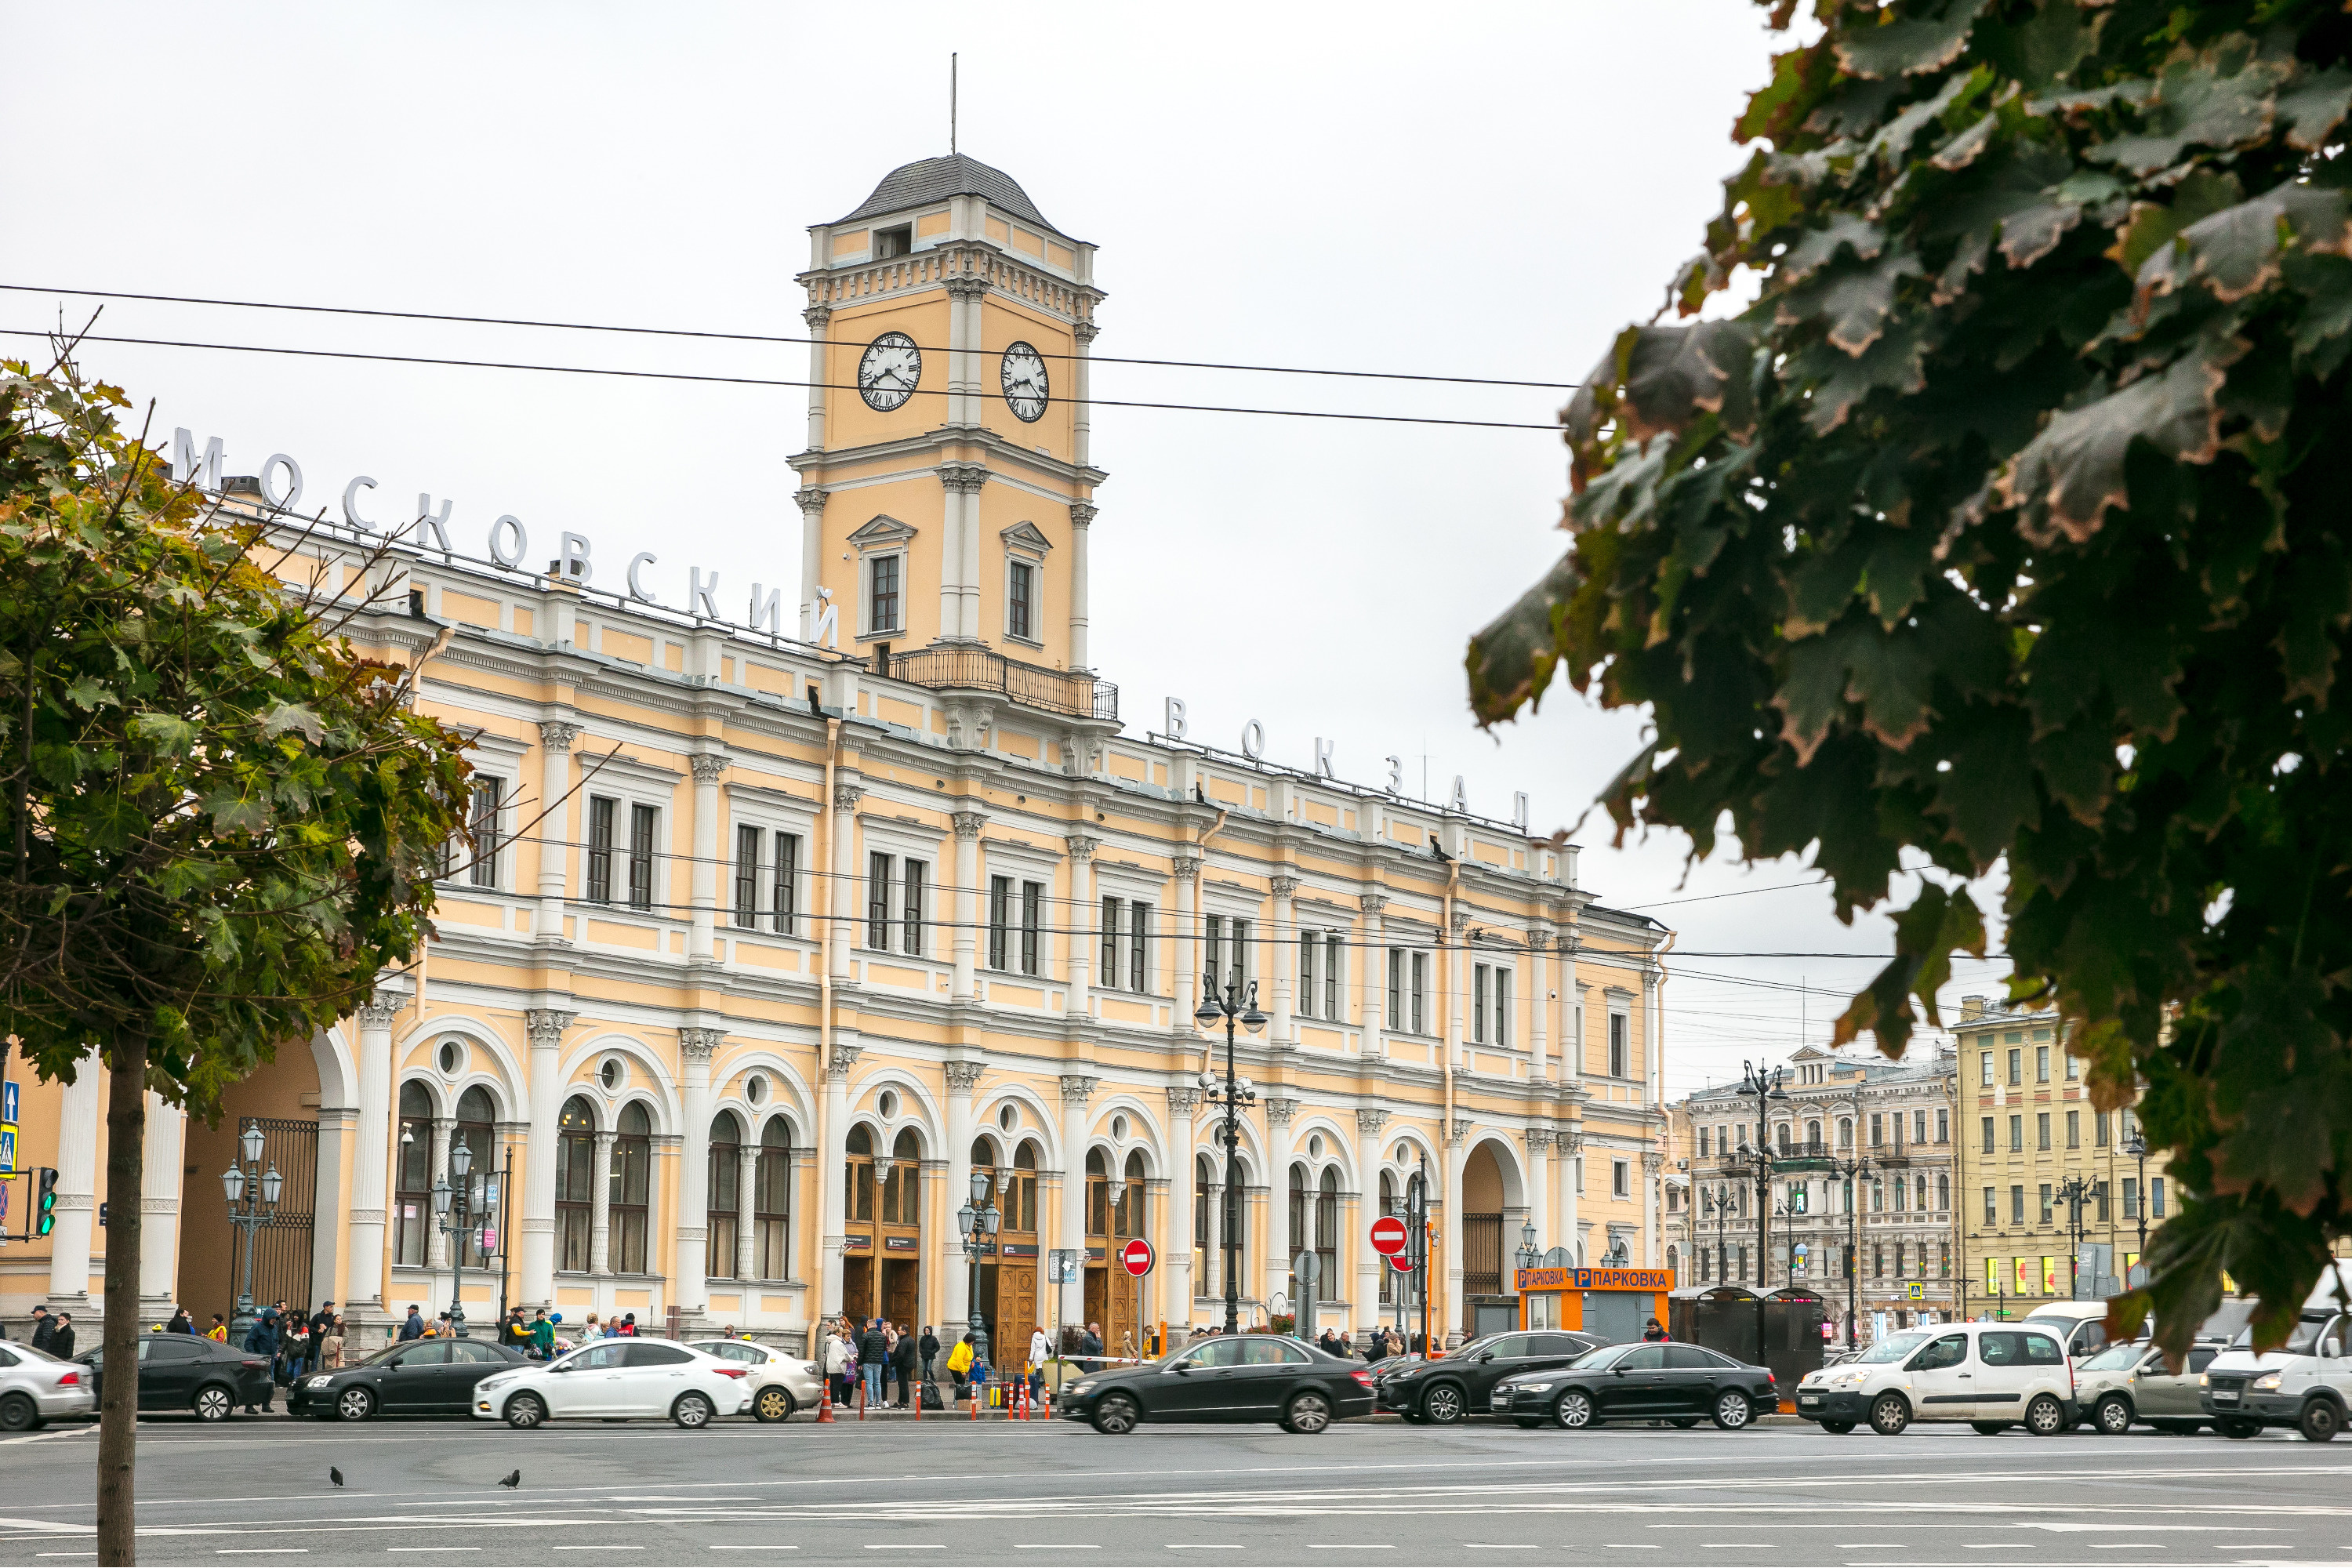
(1408, 989)
(1126, 944)
(912, 923)
(2156, 1197)
(631, 1188)
(1000, 922)
(1919, 1127)
(2041, 1131)
(1033, 916)
(2045, 1203)
(2099, 1128)
(476, 1126)
(2100, 1193)
(1943, 1126)
(722, 1195)
(889, 243)
(881, 872)
(2042, 1064)
(2131, 1198)
(2017, 1134)
(482, 832)
(1703, 1150)
(576, 1191)
(600, 812)
(1943, 1193)
(413, 1194)
(1878, 1129)
(747, 876)
(1227, 950)
(1020, 601)
(882, 599)
(1984, 1075)
(2073, 1129)
(2016, 1068)
(1993, 1213)
(641, 857)
(771, 1200)
(1620, 1179)
(1618, 1046)
(1845, 1131)
(1988, 1134)
(2017, 1203)
(786, 900)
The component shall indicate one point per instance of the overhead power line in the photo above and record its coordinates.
(770, 338)
(766, 381)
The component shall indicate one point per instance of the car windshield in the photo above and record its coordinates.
(2306, 1335)
(385, 1354)
(1894, 1347)
(2116, 1358)
(1606, 1356)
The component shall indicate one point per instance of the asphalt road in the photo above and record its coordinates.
(1044, 1494)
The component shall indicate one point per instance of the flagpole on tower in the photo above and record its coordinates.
(951, 106)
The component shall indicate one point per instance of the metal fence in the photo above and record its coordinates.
(979, 670)
(281, 1248)
(1482, 1255)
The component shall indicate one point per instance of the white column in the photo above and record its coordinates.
(832, 1175)
(1456, 1137)
(1369, 1124)
(545, 1026)
(1538, 1189)
(1653, 1036)
(1278, 1113)
(1081, 925)
(1571, 1009)
(951, 521)
(691, 1288)
(1571, 1140)
(1540, 942)
(1076, 1089)
(1372, 963)
(706, 766)
(1188, 947)
(1457, 985)
(747, 1187)
(1176, 1254)
(1652, 1163)
(847, 882)
(599, 1197)
(966, 379)
(1082, 517)
(159, 1205)
(968, 570)
(371, 1155)
(968, 827)
(553, 833)
(812, 505)
(1081, 391)
(1282, 1031)
(962, 1078)
(437, 1168)
(78, 1108)
(815, 318)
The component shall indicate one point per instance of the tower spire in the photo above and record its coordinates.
(952, 105)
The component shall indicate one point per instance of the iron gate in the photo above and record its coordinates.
(282, 1248)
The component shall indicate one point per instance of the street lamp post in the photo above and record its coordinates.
(977, 1221)
(2074, 1192)
(1852, 1172)
(1765, 1085)
(252, 1204)
(1719, 1205)
(2137, 1147)
(1236, 1004)
(454, 1206)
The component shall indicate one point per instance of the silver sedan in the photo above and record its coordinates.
(35, 1386)
(780, 1384)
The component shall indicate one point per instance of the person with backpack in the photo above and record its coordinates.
(873, 1360)
(929, 1347)
(838, 1362)
(902, 1363)
(261, 1339)
(959, 1361)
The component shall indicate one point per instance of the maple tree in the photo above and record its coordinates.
(2004, 527)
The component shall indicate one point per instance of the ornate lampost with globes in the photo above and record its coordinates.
(977, 1222)
(1236, 1002)
(252, 1204)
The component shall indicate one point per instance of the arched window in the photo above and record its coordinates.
(1300, 1235)
(1943, 1192)
(1098, 1194)
(902, 1190)
(1845, 1131)
(1126, 1212)
(1784, 1137)
(1019, 1200)
(1204, 1184)
(1388, 1205)
(576, 1191)
(413, 1190)
(477, 1128)
(723, 1193)
(1814, 1132)
(631, 1188)
(1326, 1233)
(1673, 1260)
(861, 1175)
(1919, 1191)
(771, 1200)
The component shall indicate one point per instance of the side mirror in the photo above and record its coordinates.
(1621, 1372)
(1486, 1356)
(1184, 1366)
(560, 1367)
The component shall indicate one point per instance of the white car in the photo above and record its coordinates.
(781, 1385)
(616, 1380)
(37, 1387)
(2306, 1383)
(1992, 1375)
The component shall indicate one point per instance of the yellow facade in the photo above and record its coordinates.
(766, 945)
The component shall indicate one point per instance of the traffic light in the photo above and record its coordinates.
(45, 1203)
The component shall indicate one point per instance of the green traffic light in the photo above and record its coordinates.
(45, 1211)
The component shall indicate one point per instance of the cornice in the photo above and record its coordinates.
(925, 447)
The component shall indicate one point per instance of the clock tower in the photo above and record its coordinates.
(947, 487)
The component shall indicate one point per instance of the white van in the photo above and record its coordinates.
(2306, 1383)
(2081, 1326)
(1991, 1375)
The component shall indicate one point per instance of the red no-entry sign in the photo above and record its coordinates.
(1388, 1235)
(1136, 1255)
(1401, 1263)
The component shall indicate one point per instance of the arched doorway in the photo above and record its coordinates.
(771, 1202)
(1114, 1217)
(477, 1128)
(881, 1259)
(723, 1195)
(630, 1185)
(576, 1191)
(1007, 1301)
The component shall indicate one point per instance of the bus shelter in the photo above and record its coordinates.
(1613, 1304)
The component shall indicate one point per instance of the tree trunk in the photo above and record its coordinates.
(126, 1165)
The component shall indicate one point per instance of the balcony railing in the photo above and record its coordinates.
(1071, 692)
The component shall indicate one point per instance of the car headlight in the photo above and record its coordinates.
(2266, 1383)
(2201, 1380)
(811, 1368)
(316, 1382)
(1532, 1387)
(1081, 1387)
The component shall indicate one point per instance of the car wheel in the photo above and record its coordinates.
(1307, 1413)
(773, 1404)
(2239, 1426)
(354, 1405)
(1441, 1405)
(525, 1411)
(1989, 1429)
(1114, 1415)
(1573, 1410)
(2321, 1421)
(1837, 1428)
(1732, 1410)
(692, 1410)
(19, 1414)
(214, 1403)
(2046, 1417)
(1889, 1414)
(2114, 1415)
(1527, 1423)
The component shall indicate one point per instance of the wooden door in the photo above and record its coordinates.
(899, 1276)
(858, 1290)
(1120, 1337)
(1016, 1310)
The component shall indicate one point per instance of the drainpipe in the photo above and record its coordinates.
(825, 927)
(1446, 1133)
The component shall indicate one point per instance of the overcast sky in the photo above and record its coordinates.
(1483, 191)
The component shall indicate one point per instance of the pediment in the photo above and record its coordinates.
(1027, 537)
(883, 529)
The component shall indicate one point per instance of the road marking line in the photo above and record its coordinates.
(259, 1551)
(1349, 1546)
(906, 1546)
(755, 1548)
(65, 1554)
(1056, 1546)
(600, 1549)
(432, 1548)
(1204, 1546)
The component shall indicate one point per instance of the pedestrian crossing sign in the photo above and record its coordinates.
(1916, 1291)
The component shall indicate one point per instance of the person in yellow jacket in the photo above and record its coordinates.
(959, 1364)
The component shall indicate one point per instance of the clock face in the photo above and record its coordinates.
(1024, 381)
(889, 371)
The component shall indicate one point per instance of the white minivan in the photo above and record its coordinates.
(2306, 1383)
(1992, 1375)
(616, 1380)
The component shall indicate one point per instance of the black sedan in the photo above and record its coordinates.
(1243, 1377)
(1682, 1384)
(181, 1371)
(414, 1377)
(1444, 1391)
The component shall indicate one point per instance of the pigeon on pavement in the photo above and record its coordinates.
(334, 1474)
(512, 1481)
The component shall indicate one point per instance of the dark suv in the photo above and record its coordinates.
(1442, 1392)
(181, 1371)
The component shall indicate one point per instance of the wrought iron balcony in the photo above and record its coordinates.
(1066, 691)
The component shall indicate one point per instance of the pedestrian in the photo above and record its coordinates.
(322, 1324)
(542, 1336)
(592, 1330)
(331, 1349)
(929, 1349)
(959, 1361)
(218, 1333)
(261, 1339)
(45, 1327)
(629, 1325)
(413, 1328)
(902, 1362)
(1654, 1334)
(181, 1322)
(1041, 1351)
(838, 1360)
(1090, 1350)
(873, 1360)
(61, 1340)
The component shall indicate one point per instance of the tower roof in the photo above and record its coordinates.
(929, 180)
